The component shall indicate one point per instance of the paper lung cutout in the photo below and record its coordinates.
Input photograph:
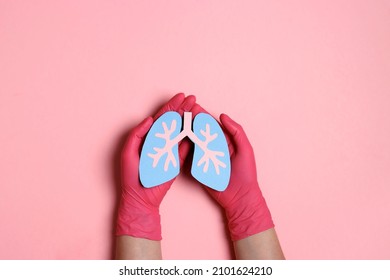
(159, 160)
(211, 162)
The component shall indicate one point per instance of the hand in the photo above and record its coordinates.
(138, 213)
(244, 204)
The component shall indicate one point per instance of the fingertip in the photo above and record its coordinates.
(176, 100)
(179, 95)
(228, 123)
(187, 104)
(191, 98)
(196, 109)
(172, 105)
(235, 130)
(223, 117)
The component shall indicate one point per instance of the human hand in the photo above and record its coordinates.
(138, 213)
(244, 204)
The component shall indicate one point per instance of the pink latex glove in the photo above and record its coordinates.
(246, 210)
(138, 213)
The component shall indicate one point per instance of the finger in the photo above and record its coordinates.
(231, 147)
(172, 105)
(235, 131)
(196, 109)
(135, 137)
(187, 104)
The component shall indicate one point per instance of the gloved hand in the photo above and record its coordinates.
(246, 210)
(138, 213)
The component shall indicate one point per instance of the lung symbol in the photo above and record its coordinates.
(159, 161)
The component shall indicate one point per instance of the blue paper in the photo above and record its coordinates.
(164, 170)
(159, 160)
(214, 174)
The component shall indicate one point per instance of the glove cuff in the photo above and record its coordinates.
(248, 216)
(140, 223)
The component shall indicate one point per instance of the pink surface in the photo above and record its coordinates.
(309, 82)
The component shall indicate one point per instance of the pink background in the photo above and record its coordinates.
(309, 82)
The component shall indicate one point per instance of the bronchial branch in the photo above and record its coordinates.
(167, 149)
(209, 155)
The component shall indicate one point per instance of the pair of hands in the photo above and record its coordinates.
(245, 207)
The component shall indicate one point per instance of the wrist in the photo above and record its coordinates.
(248, 215)
(136, 220)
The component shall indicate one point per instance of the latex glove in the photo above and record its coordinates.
(246, 209)
(138, 213)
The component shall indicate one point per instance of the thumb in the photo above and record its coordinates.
(234, 130)
(135, 137)
(141, 129)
